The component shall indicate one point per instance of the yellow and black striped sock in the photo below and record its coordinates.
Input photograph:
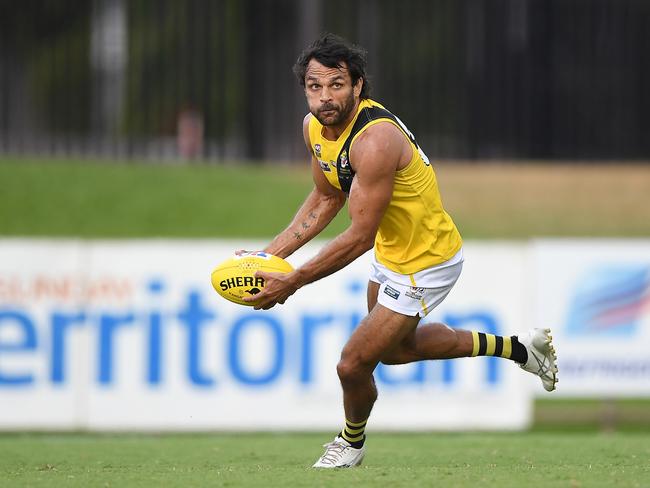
(503, 347)
(353, 433)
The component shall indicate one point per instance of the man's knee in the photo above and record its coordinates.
(353, 370)
(391, 359)
(403, 353)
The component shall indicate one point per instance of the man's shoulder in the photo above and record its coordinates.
(376, 122)
(376, 132)
(378, 140)
(306, 121)
(305, 128)
(371, 114)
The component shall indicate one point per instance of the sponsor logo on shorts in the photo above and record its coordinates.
(323, 165)
(415, 293)
(391, 292)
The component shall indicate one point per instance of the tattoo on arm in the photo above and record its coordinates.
(299, 235)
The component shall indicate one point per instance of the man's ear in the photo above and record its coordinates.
(356, 89)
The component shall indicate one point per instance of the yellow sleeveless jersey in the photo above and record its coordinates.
(415, 233)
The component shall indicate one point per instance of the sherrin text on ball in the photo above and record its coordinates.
(234, 279)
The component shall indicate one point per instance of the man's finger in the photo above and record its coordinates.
(263, 274)
(253, 298)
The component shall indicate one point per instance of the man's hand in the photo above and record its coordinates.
(277, 288)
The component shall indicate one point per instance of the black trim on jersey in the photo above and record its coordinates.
(366, 115)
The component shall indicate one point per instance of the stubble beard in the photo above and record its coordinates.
(341, 113)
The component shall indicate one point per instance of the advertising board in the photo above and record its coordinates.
(595, 295)
(129, 335)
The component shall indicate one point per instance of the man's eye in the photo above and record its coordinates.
(336, 85)
(314, 87)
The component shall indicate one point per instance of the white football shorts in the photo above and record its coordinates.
(418, 293)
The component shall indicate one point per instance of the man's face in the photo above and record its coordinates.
(330, 94)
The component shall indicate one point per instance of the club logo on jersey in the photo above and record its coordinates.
(416, 293)
(391, 292)
(317, 150)
(344, 159)
(324, 166)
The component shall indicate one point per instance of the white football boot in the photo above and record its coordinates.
(340, 454)
(542, 359)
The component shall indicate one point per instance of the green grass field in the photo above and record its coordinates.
(575, 443)
(494, 201)
(256, 460)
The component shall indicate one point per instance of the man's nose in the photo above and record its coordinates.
(325, 95)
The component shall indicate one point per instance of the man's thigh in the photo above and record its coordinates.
(373, 290)
(379, 332)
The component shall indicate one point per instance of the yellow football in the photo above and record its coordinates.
(234, 279)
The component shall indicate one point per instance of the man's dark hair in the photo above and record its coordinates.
(331, 50)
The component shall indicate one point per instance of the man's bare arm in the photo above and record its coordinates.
(377, 153)
(314, 215)
(317, 211)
